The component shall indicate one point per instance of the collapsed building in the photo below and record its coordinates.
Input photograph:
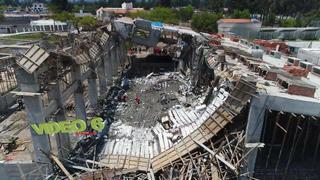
(173, 107)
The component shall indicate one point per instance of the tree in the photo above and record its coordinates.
(185, 13)
(195, 3)
(1, 17)
(67, 17)
(162, 14)
(205, 21)
(58, 6)
(88, 22)
(11, 2)
(164, 3)
(270, 19)
(63, 16)
(215, 5)
(179, 3)
(290, 22)
(245, 14)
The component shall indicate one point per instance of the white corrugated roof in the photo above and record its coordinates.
(46, 22)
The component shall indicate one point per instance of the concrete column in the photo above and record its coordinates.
(123, 51)
(113, 62)
(102, 77)
(35, 115)
(50, 27)
(254, 128)
(116, 59)
(63, 140)
(92, 87)
(78, 95)
(181, 64)
(120, 54)
(108, 69)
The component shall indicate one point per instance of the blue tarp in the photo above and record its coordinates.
(156, 25)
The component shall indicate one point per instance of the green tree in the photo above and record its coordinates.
(215, 5)
(164, 3)
(162, 14)
(11, 2)
(185, 13)
(290, 22)
(270, 19)
(87, 21)
(58, 6)
(245, 14)
(67, 17)
(1, 17)
(205, 22)
(64, 16)
(195, 3)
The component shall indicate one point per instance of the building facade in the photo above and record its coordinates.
(245, 28)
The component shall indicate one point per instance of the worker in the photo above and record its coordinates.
(125, 97)
(138, 99)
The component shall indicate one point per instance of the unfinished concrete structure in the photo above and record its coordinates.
(8, 82)
(172, 110)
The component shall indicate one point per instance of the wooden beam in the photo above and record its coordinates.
(64, 170)
(31, 94)
(219, 157)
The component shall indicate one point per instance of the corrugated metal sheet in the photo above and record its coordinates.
(32, 59)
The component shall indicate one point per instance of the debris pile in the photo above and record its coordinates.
(219, 159)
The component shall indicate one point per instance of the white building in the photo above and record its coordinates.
(127, 5)
(311, 55)
(107, 13)
(39, 8)
(48, 25)
(246, 28)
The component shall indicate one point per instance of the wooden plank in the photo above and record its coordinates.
(64, 170)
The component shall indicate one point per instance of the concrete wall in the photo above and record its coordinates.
(6, 101)
(312, 56)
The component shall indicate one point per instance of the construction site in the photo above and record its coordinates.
(142, 100)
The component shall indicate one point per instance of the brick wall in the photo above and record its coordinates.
(272, 76)
(303, 91)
